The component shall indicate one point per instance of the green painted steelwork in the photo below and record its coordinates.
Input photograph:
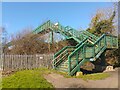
(89, 47)
(51, 37)
(68, 33)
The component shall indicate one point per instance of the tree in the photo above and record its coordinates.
(25, 42)
(104, 21)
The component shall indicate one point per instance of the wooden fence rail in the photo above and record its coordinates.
(19, 62)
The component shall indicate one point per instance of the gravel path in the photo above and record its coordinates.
(61, 82)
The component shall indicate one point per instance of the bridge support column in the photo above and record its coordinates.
(103, 61)
(77, 58)
(51, 37)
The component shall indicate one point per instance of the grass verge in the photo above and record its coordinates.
(27, 79)
(94, 76)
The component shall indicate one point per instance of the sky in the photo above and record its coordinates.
(17, 16)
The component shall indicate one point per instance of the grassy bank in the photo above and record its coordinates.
(27, 79)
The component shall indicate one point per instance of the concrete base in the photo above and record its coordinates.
(79, 73)
(109, 68)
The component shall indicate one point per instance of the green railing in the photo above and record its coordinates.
(63, 51)
(80, 55)
(62, 55)
(97, 47)
(90, 52)
(90, 34)
(112, 41)
(71, 33)
(75, 57)
(75, 33)
(66, 47)
(89, 46)
(46, 25)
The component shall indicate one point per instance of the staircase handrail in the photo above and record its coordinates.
(91, 34)
(79, 48)
(64, 48)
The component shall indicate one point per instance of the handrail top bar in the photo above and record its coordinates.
(77, 49)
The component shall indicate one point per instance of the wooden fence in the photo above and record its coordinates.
(19, 62)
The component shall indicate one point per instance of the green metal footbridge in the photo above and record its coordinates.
(90, 47)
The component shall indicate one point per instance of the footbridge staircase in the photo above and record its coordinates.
(90, 47)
